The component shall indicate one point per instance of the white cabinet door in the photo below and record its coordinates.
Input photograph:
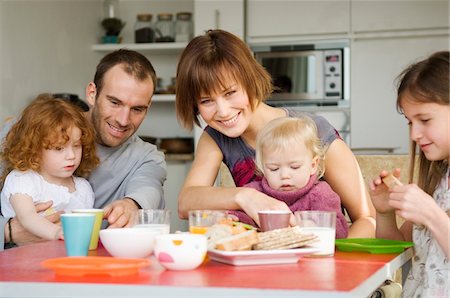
(375, 64)
(369, 16)
(287, 18)
(219, 14)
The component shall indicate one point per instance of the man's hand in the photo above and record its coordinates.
(121, 213)
(23, 237)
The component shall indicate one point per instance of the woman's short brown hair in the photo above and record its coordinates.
(206, 64)
(45, 124)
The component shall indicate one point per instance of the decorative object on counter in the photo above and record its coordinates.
(177, 145)
(165, 29)
(112, 26)
(149, 139)
(171, 88)
(184, 29)
(143, 29)
(73, 98)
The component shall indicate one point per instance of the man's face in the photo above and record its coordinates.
(120, 108)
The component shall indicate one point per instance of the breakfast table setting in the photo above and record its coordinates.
(185, 264)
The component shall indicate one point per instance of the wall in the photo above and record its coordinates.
(46, 46)
(42, 44)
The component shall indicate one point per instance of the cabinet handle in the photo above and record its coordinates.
(217, 18)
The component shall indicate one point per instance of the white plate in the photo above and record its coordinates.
(260, 257)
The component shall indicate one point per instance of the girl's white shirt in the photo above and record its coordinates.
(34, 185)
(429, 275)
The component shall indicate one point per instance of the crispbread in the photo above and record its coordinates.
(284, 238)
(391, 181)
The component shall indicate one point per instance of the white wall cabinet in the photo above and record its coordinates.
(219, 14)
(371, 16)
(375, 64)
(290, 20)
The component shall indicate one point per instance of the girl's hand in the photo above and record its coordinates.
(379, 192)
(251, 201)
(412, 204)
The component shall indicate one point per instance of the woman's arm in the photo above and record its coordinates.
(26, 213)
(343, 174)
(198, 191)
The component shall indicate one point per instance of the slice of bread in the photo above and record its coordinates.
(242, 241)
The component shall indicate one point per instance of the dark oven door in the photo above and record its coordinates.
(297, 75)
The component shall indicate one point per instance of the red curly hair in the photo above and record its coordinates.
(44, 124)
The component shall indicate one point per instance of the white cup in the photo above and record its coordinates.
(322, 224)
(156, 219)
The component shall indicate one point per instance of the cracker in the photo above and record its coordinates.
(391, 181)
(284, 238)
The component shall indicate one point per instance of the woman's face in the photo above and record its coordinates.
(227, 110)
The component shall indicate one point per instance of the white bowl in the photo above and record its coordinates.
(129, 242)
(183, 251)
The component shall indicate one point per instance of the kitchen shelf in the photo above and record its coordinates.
(155, 48)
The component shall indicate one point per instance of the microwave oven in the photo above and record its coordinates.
(306, 72)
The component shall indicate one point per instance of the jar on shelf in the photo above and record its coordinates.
(144, 31)
(164, 27)
(184, 28)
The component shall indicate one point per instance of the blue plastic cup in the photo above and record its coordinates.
(77, 229)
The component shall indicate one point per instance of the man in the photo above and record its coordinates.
(131, 172)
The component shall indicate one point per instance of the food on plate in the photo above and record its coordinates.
(285, 238)
(242, 241)
(231, 237)
(224, 229)
(391, 181)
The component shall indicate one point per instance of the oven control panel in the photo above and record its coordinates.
(333, 74)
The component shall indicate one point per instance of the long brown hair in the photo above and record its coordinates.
(426, 81)
(206, 64)
(45, 124)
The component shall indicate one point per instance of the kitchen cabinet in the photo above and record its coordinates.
(379, 16)
(219, 14)
(375, 64)
(287, 20)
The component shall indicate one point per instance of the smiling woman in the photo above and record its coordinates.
(219, 79)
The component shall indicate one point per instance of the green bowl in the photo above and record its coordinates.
(372, 245)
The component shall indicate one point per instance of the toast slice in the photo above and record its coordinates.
(242, 241)
(391, 181)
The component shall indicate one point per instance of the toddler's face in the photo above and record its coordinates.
(61, 161)
(288, 169)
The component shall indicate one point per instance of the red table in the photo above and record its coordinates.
(344, 275)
